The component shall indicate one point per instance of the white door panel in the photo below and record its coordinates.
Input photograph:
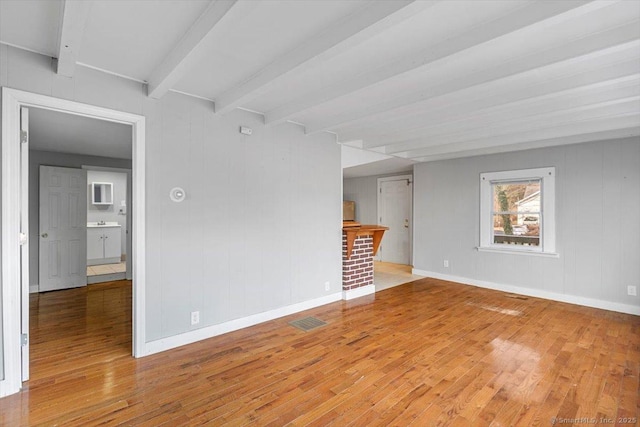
(63, 227)
(395, 213)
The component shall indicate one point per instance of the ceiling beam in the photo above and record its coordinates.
(519, 19)
(525, 122)
(189, 50)
(491, 97)
(351, 30)
(74, 21)
(610, 123)
(600, 43)
(509, 113)
(549, 106)
(572, 139)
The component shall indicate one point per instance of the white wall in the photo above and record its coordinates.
(363, 192)
(260, 228)
(598, 223)
(109, 213)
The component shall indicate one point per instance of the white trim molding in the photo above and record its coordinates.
(11, 381)
(516, 252)
(12, 286)
(536, 293)
(190, 337)
(358, 292)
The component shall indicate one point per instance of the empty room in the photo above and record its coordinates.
(312, 212)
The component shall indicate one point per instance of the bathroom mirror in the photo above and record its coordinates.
(102, 193)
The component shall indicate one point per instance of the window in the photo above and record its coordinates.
(517, 211)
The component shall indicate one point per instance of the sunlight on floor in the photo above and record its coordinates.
(97, 270)
(387, 275)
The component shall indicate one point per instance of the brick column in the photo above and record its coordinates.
(357, 271)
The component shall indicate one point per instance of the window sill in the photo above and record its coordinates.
(519, 252)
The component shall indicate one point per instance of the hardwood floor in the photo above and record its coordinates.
(425, 353)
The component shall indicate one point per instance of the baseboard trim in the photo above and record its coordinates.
(358, 292)
(537, 293)
(34, 289)
(190, 337)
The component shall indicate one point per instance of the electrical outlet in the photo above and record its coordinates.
(631, 290)
(195, 317)
(327, 286)
(445, 263)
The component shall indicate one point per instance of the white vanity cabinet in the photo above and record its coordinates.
(103, 244)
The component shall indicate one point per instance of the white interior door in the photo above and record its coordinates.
(394, 211)
(63, 228)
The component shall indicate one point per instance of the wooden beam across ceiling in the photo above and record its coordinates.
(519, 111)
(74, 20)
(189, 51)
(629, 121)
(353, 29)
(523, 17)
(410, 121)
(596, 44)
(532, 144)
(552, 118)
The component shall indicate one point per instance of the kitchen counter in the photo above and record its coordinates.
(353, 229)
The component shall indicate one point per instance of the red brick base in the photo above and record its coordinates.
(357, 271)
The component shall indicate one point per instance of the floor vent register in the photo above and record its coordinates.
(308, 323)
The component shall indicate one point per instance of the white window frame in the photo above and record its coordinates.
(547, 179)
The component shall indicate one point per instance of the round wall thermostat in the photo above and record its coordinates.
(177, 194)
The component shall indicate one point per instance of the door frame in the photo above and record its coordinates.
(379, 207)
(15, 289)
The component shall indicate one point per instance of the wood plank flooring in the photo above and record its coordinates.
(424, 353)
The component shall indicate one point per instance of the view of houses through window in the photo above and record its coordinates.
(516, 212)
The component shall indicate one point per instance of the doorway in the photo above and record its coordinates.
(15, 224)
(395, 212)
(108, 225)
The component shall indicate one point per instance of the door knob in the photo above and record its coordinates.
(44, 235)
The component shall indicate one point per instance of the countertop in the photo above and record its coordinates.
(354, 229)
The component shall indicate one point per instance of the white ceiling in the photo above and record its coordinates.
(390, 166)
(69, 133)
(416, 80)
(357, 163)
